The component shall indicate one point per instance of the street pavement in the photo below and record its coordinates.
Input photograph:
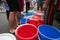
(4, 25)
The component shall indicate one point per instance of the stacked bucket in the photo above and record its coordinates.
(34, 29)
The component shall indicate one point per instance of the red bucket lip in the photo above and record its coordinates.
(29, 37)
(29, 21)
(35, 22)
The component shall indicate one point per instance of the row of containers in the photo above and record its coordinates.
(33, 28)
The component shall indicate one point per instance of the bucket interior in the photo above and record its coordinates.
(36, 22)
(32, 22)
(49, 31)
(26, 31)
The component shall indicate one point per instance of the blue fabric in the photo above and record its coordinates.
(5, 5)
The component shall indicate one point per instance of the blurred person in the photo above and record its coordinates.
(5, 5)
(21, 5)
(47, 12)
(39, 4)
(27, 5)
(1, 4)
(53, 9)
(32, 4)
(46, 3)
(14, 8)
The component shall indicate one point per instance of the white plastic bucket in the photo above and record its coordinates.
(7, 36)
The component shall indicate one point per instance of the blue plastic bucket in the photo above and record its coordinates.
(47, 32)
(24, 20)
(28, 14)
(21, 16)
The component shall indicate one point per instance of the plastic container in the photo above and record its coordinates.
(21, 16)
(7, 36)
(27, 32)
(40, 22)
(36, 17)
(47, 32)
(36, 22)
(30, 11)
(40, 15)
(28, 14)
(24, 20)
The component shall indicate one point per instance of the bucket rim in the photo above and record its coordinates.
(28, 37)
(46, 36)
(8, 34)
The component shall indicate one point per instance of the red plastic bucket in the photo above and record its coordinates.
(40, 22)
(36, 17)
(27, 32)
(36, 22)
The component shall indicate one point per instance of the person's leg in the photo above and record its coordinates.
(37, 5)
(12, 21)
(7, 13)
(40, 5)
(27, 6)
(17, 17)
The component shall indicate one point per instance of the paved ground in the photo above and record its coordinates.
(4, 25)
